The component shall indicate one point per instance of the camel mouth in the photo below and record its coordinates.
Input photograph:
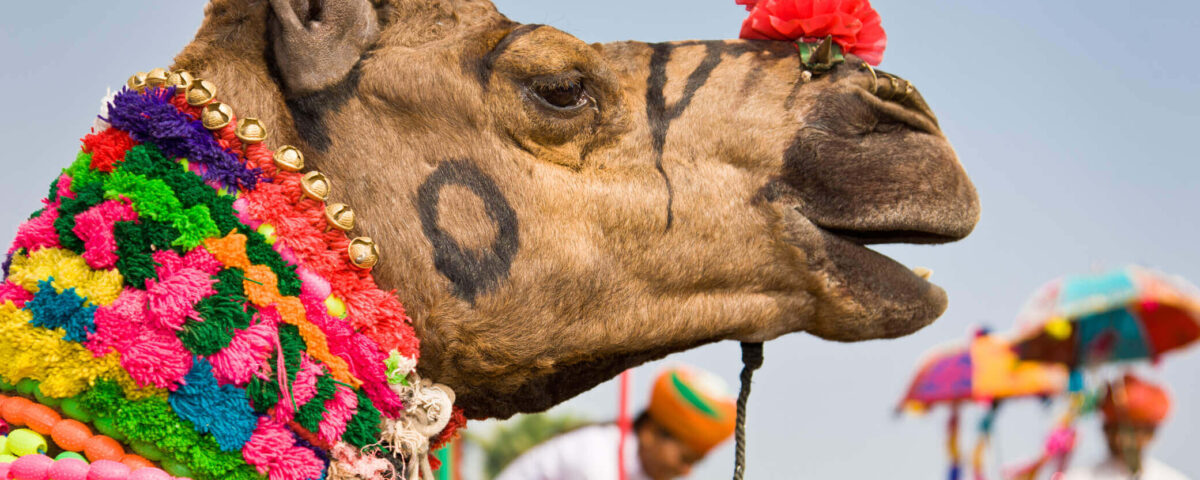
(876, 237)
(873, 294)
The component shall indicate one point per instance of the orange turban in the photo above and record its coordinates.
(694, 406)
(1143, 402)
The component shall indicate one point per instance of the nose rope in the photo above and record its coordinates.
(752, 359)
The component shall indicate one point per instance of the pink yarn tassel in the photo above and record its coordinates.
(95, 228)
(38, 233)
(11, 292)
(273, 452)
(245, 355)
(303, 389)
(171, 300)
(338, 411)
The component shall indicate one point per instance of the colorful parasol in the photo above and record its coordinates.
(1085, 321)
(1128, 314)
(985, 370)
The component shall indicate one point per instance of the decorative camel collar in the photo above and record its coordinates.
(192, 289)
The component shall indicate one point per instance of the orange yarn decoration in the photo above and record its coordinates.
(70, 435)
(103, 447)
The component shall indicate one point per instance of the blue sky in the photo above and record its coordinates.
(1076, 119)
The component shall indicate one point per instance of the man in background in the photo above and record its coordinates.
(690, 412)
(1133, 409)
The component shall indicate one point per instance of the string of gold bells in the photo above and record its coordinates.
(428, 406)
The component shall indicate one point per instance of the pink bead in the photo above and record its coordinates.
(31, 467)
(149, 474)
(69, 469)
(4, 469)
(108, 470)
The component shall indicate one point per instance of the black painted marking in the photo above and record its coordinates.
(473, 273)
(656, 102)
(309, 111)
(752, 80)
(790, 101)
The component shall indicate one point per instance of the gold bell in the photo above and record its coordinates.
(201, 92)
(340, 216)
(250, 130)
(137, 81)
(363, 253)
(181, 80)
(315, 186)
(216, 115)
(289, 159)
(156, 78)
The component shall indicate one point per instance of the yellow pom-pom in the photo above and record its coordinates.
(337, 308)
(1059, 328)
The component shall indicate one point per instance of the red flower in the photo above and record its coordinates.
(854, 24)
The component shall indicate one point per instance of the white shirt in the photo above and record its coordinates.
(589, 453)
(1113, 469)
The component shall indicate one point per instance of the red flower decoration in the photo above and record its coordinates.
(854, 24)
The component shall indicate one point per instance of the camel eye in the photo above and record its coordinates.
(568, 95)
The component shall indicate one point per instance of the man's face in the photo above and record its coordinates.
(663, 456)
(1127, 441)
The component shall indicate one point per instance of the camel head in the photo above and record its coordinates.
(552, 212)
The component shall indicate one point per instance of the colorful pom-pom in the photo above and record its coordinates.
(102, 447)
(70, 434)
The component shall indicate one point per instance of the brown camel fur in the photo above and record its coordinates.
(553, 212)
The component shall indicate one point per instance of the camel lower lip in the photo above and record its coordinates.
(886, 296)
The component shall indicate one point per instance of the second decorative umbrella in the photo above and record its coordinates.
(984, 370)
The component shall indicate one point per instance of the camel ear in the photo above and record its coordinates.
(318, 42)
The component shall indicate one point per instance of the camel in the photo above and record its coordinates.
(552, 212)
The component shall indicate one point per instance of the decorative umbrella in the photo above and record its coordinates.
(1088, 320)
(985, 370)
(1128, 314)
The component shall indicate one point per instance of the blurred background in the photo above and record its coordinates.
(1076, 119)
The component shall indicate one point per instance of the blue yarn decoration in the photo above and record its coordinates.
(4, 267)
(62, 310)
(150, 118)
(222, 410)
